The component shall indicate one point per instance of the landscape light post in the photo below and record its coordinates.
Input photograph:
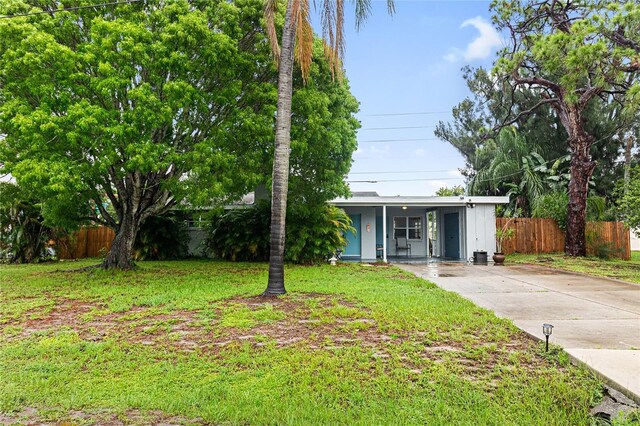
(547, 329)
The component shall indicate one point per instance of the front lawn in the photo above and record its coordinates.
(188, 342)
(625, 270)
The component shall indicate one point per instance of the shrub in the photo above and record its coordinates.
(311, 235)
(162, 238)
(240, 234)
(601, 249)
(23, 236)
(555, 206)
(315, 234)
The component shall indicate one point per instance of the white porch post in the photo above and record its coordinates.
(426, 231)
(384, 234)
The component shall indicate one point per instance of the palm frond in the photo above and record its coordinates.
(363, 11)
(328, 23)
(270, 12)
(304, 36)
(339, 45)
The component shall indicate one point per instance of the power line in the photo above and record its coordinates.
(408, 113)
(397, 128)
(399, 140)
(402, 180)
(115, 3)
(402, 172)
(520, 170)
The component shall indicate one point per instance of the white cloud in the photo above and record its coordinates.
(454, 173)
(480, 47)
(419, 152)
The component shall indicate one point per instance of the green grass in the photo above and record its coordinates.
(351, 344)
(626, 270)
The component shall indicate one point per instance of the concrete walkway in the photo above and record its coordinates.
(596, 320)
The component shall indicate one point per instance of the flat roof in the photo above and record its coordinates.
(433, 201)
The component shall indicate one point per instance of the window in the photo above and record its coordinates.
(196, 220)
(409, 227)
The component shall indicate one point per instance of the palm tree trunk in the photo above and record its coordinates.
(280, 183)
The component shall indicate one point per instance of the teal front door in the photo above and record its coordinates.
(451, 236)
(353, 248)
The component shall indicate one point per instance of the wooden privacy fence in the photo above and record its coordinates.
(87, 242)
(537, 235)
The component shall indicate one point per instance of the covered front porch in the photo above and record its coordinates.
(419, 229)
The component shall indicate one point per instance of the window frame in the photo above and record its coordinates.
(407, 228)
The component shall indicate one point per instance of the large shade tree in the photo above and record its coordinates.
(492, 102)
(296, 43)
(572, 54)
(127, 108)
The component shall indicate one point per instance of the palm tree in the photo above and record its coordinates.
(297, 42)
(511, 164)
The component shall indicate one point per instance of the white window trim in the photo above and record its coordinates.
(406, 227)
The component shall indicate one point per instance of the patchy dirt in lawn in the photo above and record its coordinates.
(317, 320)
(30, 416)
(307, 320)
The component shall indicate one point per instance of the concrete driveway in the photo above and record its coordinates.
(596, 320)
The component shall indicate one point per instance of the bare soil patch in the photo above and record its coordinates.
(311, 321)
(30, 416)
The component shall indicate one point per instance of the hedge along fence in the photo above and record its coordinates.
(537, 235)
(87, 242)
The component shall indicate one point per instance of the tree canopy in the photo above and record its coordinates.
(572, 54)
(123, 111)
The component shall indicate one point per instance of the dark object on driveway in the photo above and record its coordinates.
(479, 257)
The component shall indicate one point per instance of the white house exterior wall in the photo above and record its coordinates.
(481, 237)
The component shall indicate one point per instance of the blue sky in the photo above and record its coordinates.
(410, 63)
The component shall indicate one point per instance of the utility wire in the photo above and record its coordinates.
(88, 6)
(389, 172)
(399, 140)
(397, 128)
(402, 180)
(408, 113)
(520, 170)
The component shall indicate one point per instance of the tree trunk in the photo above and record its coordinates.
(581, 170)
(280, 181)
(121, 252)
(627, 162)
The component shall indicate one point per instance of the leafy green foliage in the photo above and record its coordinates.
(162, 238)
(314, 235)
(573, 56)
(475, 118)
(23, 235)
(450, 192)
(240, 234)
(128, 109)
(503, 234)
(243, 234)
(554, 206)
(149, 103)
